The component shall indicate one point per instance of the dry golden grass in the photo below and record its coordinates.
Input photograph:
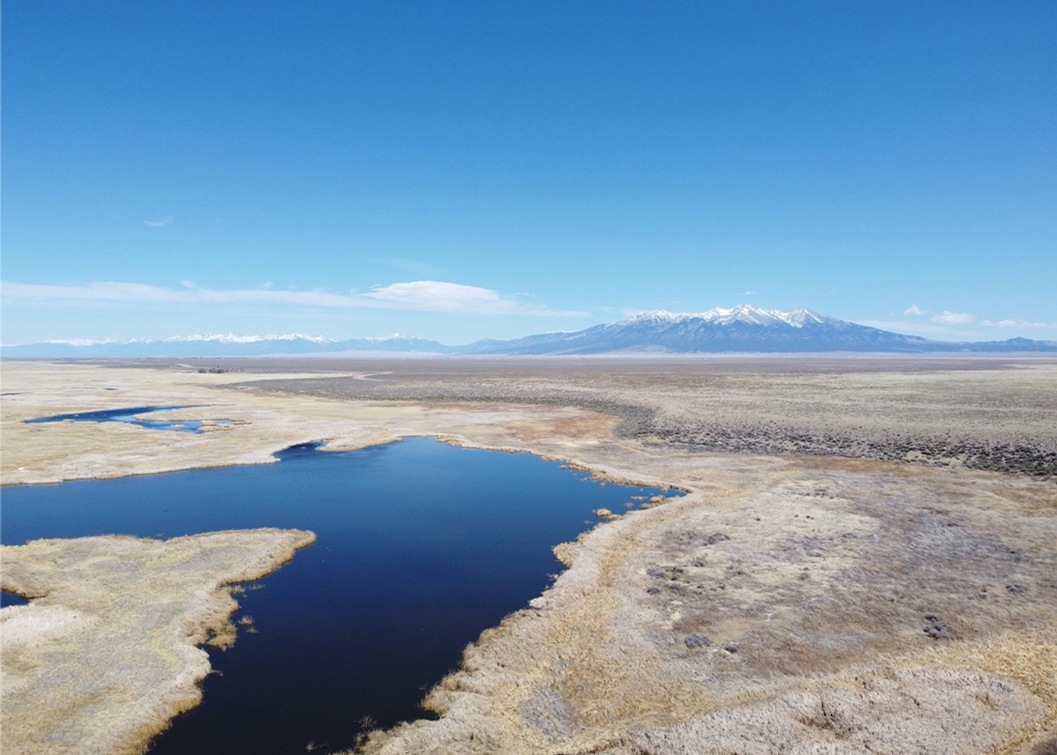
(106, 653)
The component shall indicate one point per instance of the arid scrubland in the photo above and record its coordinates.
(984, 413)
(865, 560)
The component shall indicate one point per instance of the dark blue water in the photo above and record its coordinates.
(421, 546)
(10, 599)
(129, 416)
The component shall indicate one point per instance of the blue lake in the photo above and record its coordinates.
(421, 546)
(128, 416)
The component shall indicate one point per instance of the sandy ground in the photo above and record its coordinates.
(795, 602)
(105, 654)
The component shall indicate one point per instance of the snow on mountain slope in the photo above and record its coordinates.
(746, 313)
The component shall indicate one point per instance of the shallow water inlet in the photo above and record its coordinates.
(129, 416)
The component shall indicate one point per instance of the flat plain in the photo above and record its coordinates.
(982, 413)
(865, 558)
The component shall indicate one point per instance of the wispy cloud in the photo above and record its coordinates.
(943, 320)
(34, 293)
(953, 318)
(159, 222)
(914, 328)
(1017, 324)
(426, 296)
(438, 296)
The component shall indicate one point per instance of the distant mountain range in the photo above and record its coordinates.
(745, 328)
(222, 345)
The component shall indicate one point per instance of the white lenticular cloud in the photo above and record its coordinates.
(427, 296)
(440, 296)
(914, 309)
(159, 222)
(953, 318)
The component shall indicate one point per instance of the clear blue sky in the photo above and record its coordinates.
(273, 167)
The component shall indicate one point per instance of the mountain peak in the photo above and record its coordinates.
(744, 313)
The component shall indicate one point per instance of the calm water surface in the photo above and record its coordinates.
(421, 546)
(128, 416)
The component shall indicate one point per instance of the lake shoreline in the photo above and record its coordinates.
(67, 653)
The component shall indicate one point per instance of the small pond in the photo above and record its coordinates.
(421, 546)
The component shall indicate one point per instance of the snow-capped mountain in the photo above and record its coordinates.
(746, 313)
(745, 328)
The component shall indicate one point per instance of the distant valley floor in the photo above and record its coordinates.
(981, 413)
